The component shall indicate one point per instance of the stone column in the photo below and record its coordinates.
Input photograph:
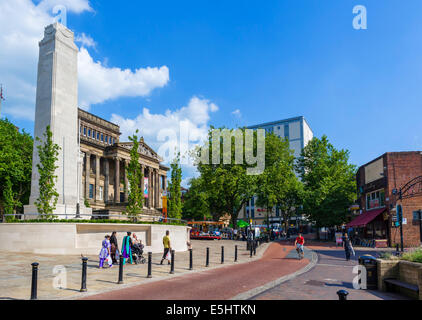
(107, 179)
(126, 163)
(142, 184)
(97, 177)
(87, 173)
(149, 188)
(157, 189)
(116, 180)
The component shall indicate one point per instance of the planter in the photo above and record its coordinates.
(84, 238)
(405, 271)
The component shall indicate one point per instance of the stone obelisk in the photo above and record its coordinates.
(57, 106)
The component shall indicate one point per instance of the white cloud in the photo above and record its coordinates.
(76, 6)
(237, 113)
(163, 131)
(98, 83)
(22, 26)
(85, 40)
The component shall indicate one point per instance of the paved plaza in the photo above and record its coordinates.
(16, 270)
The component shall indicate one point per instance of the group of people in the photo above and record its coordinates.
(110, 249)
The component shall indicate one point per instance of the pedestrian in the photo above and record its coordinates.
(167, 247)
(114, 247)
(105, 252)
(235, 234)
(347, 246)
(127, 248)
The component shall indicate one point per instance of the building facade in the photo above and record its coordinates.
(104, 177)
(379, 183)
(299, 133)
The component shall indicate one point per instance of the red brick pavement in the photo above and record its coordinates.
(331, 274)
(222, 283)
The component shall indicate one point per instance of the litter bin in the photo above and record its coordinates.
(370, 263)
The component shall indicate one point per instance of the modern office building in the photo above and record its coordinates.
(299, 133)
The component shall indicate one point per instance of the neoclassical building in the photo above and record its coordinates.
(104, 178)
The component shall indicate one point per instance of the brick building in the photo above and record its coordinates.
(379, 183)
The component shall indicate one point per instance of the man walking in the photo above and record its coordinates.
(167, 246)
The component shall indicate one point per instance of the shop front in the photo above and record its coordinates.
(370, 228)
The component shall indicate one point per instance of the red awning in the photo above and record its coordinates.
(365, 218)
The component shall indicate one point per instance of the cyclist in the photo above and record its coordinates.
(299, 242)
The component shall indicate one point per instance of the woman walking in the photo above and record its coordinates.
(114, 247)
(105, 252)
(127, 248)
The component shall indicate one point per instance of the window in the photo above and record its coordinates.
(252, 213)
(253, 202)
(375, 199)
(91, 191)
(106, 139)
(110, 140)
(89, 133)
(286, 131)
(98, 136)
(84, 131)
(247, 213)
(101, 193)
(114, 141)
(93, 134)
(102, 137)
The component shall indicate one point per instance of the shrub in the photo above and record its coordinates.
(413, 256)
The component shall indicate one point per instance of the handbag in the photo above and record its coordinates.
(168, 256)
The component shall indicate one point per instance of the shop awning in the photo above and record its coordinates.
(365, 218)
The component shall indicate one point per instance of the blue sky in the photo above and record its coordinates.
(270, 60)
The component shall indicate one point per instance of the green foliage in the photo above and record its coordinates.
(413, 255)
(135, 178)
(195, 206)
(329, 182)
(86, 203)
(227, 185)
(278, 186)
(15, 167)
(175, 199)
(48, 154)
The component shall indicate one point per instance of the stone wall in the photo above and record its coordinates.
(84, 238)
(406, 271)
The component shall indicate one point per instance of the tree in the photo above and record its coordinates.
(195, 204)
(228, 186)
(329, 182)
(48, 154)
(273, 185)
(15, 167)
(135, 178)
(175, 199)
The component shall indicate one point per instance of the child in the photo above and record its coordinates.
(105, 252)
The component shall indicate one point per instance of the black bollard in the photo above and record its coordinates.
(84, 267)
(207, 260)
(34, 280)
(172, 262)
(235, 253)
(222, 254)
(120, 270)
(251, 249)
(149, 265)
(254, 248)
(342, 294)
(190, 260)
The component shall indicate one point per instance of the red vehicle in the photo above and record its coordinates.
(205, 230)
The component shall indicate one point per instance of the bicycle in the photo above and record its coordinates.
(300, 252)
